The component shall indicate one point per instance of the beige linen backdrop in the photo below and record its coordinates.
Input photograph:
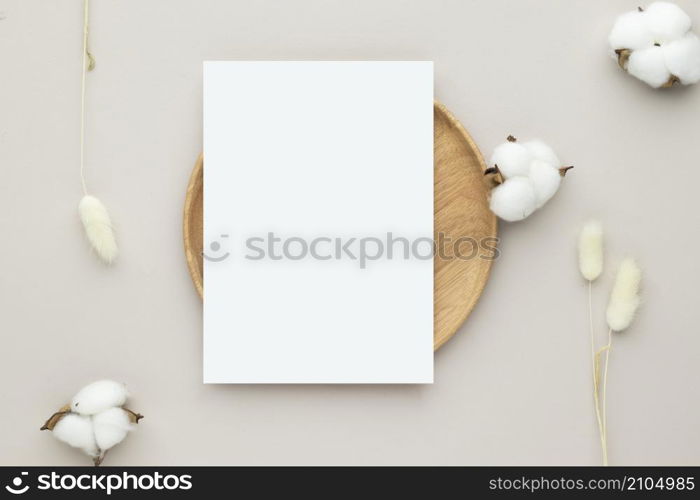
(514, 385)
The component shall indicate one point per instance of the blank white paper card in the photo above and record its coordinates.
(318, 222)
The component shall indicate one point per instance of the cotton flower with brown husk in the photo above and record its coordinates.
(657, 46)
(95, 420)
(526, 175)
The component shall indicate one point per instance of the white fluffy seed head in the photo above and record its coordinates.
(649, 65)
(99, 396)
(513, 200)
(541, 151)
(111, 427)
(683, 58)
(661, 45)
(666, 21)
(98, 228)
(631, 32)
(531, 177)
(512, 159)
(545, 180)
(590, 250)
(624, 299)
(76, 431)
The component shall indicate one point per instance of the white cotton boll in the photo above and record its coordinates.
(513, 200)
(649, 65)
(683, 58)
(631, 32)
(540, 151)
(111, 427)
(657, 46)
(590, 250)
(99, 396)
(624, 299)
(545, 179)
(98, 228)
(666, 21)
(512, 159)
(76, 430)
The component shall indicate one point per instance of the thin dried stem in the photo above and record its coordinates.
(88, 64)
(99, 459)
(594, 363)
(605, 395)
(604, 440)
(134, 415)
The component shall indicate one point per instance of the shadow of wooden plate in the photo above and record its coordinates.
(461, 211)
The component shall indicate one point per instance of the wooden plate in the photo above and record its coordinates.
(461, 211)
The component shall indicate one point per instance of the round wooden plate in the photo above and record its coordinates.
(461, 211)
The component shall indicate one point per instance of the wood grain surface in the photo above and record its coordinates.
(461, 211)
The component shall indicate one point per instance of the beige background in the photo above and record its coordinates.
(513, 387)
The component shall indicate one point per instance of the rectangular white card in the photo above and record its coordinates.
(318, 222)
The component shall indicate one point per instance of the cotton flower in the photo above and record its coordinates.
(590, 250)
(111, 427)
(624, 299)
(76, 431)
(657, 46)
(529, 174)
(94, 421)
(514, 199)
(98, 228)
(99, 396)
(513, 159)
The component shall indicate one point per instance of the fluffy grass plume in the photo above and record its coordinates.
(624, 299)
(98, 228)
(590, 250)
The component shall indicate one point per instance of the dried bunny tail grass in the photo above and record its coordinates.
(590, 250)
(93, 214)
(590, 246)
(98, 228)
(624, 299)
(624, 302)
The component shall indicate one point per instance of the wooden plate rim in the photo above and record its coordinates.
(190, 197)
(493, 230)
